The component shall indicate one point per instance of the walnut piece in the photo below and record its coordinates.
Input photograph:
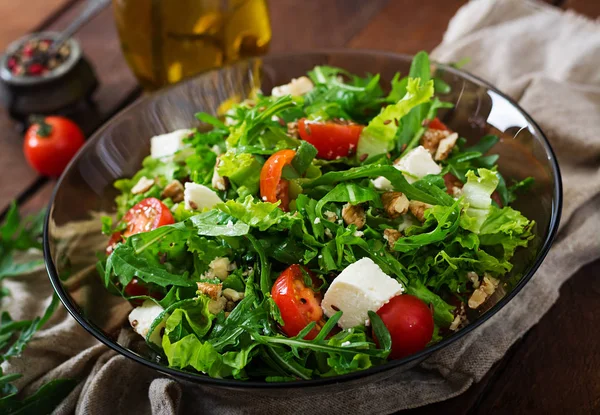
(460, 318)
(395, 204)
(142, 186)
(174, 190)
(292, 129)
(232, 295)
(431, 139)
(418, 209)
(218, 182)
(354, 215)
(391, 236)
(485, 290)
(445, 147)
(330, 216)
(212, 290)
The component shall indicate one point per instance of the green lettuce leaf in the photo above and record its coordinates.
(477, 194)
(261, 215)
(242, 170)
(379, 135)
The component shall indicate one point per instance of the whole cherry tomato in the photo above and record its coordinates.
(331, 139)
(298, 304)
(410, 323)
(50, 143)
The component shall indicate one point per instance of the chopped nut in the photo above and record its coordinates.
(218, 305)
(292, 129)
(431, 139)
(212, 290)
(474, 278)
(330, 216)
(142, 186)
(229, 306)
(391, 236)
(460, 318)
(174, 190)
(418, 209)
(395, 203)
(485, 290)
(219, 268)
(354, 215)
(232, 295)
(218, 182)
(445, 147)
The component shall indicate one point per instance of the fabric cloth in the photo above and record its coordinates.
(545, 59)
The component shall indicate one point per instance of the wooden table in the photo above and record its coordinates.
(553, 369)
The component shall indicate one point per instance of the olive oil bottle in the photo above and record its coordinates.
(165, 41)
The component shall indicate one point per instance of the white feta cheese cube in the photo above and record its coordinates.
(199, 197)
(296, 87)
(142, 317)
(166, 145)
(417, 164)
(360, 287)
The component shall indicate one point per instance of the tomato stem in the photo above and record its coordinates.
(44, 129)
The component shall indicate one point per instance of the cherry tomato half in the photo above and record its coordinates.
(146, 216)
(410, 323)
(331, 139)
(136, 288)
(436, 124)
(272, 186)
(298, 304)
(50, 143)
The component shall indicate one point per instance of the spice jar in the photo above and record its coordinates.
(34, 82)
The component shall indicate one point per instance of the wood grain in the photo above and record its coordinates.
(407, 26)
(24, 20)
(555, 369)
(301, 25)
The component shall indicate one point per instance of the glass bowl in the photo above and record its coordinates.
(72, 232)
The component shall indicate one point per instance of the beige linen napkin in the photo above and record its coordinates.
(546, 59)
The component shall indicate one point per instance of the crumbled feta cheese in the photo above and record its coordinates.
(142, 186)
(360, 287)
(317, 221)
(358, 234)
(296, 87)
(346, 343)
(219, 268)
(328, 233)
(199, 197)
(166, 145)
(416, 164)
(142, 317)
(330, 216)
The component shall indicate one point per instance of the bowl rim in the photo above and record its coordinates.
(391, 365)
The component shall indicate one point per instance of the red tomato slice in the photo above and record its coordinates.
(436, 124)
(331, 139)
(136, 288)
(147, 215)
(410, 323)
(298, 304)
(272, 186)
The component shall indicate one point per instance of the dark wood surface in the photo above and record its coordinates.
(553, 369)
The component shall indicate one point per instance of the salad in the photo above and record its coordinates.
(317, 231)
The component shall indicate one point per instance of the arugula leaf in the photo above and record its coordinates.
(305, 154)
(43, 401)
(397, 179)
(351, 193)
(442, 311)
(448, 220)
(379, 135)
(419, 67)
(381, 332)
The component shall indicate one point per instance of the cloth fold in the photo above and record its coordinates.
(547, 60)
